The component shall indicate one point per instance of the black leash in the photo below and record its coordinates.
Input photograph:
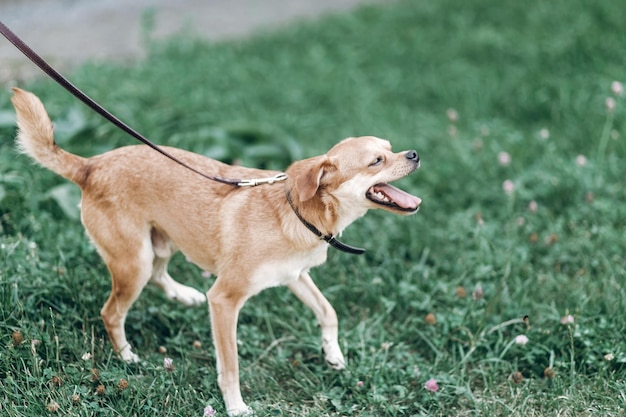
(76, 92)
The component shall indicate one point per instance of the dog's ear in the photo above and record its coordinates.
(309, 174)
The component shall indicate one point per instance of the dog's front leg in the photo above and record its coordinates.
(306, 290)
(224, 305)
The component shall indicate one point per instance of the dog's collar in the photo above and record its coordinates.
(330, 239)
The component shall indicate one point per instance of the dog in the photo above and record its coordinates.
(140, 208)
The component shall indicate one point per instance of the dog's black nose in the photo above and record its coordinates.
(413, 156)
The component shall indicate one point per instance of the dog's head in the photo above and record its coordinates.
(353, 177)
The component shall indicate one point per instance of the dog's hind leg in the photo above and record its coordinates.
(130, 267)
(163, 250)
(306, 290)
(123, 242)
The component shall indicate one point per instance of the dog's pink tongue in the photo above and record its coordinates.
(401, 198)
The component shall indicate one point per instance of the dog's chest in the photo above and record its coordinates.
(282, 271)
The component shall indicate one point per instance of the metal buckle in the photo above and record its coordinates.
(258, 181)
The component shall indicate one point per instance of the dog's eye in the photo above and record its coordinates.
(377, 161)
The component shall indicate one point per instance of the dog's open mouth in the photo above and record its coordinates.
(393, 198)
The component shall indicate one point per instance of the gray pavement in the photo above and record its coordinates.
(68, 32)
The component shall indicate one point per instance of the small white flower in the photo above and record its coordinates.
(569, 319)
(504, 159)
(478, 293)
(581, 160)
(521, 340)
(386, 345)
(609, 357)
(617, 88)
(532, 206)
(544, 133)
(610, 104)
(53, 406)
(508, 186)
(453, 115)
(86, 356)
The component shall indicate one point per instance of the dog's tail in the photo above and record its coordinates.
(36, 138)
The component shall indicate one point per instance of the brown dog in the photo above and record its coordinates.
(140, 208)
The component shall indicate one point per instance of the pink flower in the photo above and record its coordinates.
(168, 364)
(209, 411)
(508, 186)
(431, 385)
(504, 159)
(359, 384)
(532, 206)
(569, 319)
(617, 88)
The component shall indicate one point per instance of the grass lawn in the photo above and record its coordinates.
(522, 141)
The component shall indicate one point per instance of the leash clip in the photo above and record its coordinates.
(258, 181)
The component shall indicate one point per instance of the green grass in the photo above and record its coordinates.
(513, 71)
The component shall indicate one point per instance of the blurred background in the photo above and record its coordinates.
(68, 32)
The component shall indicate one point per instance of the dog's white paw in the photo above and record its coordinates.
(242, 410)
(128, 356)
(186, 295)
(334, 357)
